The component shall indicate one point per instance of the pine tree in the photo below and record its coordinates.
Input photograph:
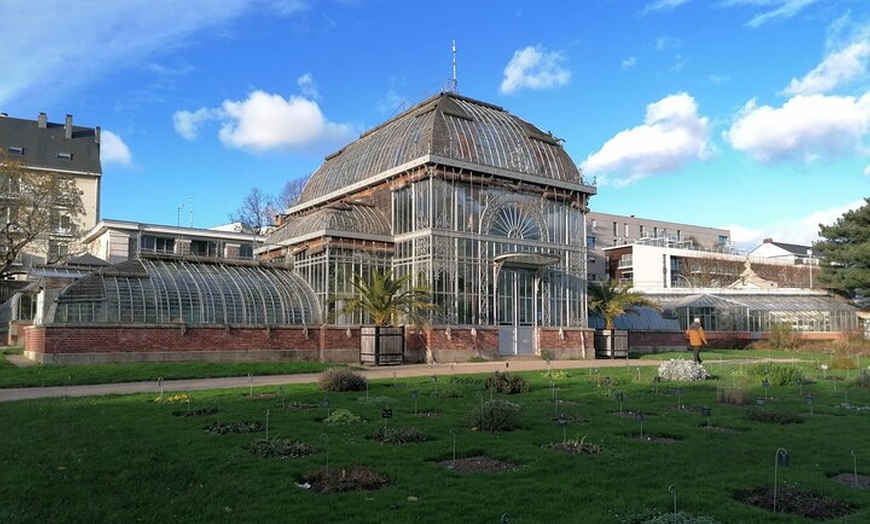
(845, 252)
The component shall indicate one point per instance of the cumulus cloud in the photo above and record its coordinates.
(835, 70)
(628, 63)
(307, 86)
(804, 128)
(266, 122)
(113, 150)
(867, 170)
(672, 135)
(534, 68)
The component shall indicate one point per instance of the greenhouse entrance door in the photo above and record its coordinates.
(515, 299)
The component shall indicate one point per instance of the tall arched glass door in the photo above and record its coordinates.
(516, 311)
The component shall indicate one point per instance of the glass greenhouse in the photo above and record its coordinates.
(481, 207)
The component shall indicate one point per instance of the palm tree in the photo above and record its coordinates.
(611, 300)
(385, 300)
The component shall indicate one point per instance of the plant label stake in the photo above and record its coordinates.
(435, 380)
(679, 392)
(556, 400)
(414, 396)
(637, 370)
(673, 490)
(765, 384)
(809, 401)
(780, 459)
(563, 421)
(620, 396)
(160, 387)
(846, 399)
(250, 385)
(386, 414)
(453, 434)
(267, 424)
(283, 402)
(639, 416)
(760, 401)
(325, 439)
(367, 390)
(325, 405)
(855, 467)
(705, 411)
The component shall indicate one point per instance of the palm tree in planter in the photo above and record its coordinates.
(611, 300)
(386, 301)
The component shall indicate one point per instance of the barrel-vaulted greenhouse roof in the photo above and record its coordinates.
(156, 291)
(452, 127)
(757, 302)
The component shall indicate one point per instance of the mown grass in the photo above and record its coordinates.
(130, 459)
(67, 375)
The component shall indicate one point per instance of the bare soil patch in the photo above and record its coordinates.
(849, 479)
(338, 480)
(479, 464)
(796, 502)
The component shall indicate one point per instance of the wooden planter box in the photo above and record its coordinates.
(382, 345)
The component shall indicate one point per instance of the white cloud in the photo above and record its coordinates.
(672, 135)
(534, 68)
(267, 122)
(307, 86)
(113, 150)
(804, 128)
(772, 10)
(836, 69)
(117, 33)
(802, 230)
(663, 5)
(867, 170)
(187, 123)
(628, 63)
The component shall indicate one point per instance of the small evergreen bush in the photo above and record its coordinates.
(777, 374)
(506, 383)
(681, 370)
(495, 415)
(342, 379)
(343, 417)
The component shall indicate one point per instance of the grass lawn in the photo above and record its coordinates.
(63, 375)
(189, 458)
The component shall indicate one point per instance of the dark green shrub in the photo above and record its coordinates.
(506, 383)
(284, 448)
(217, 428)
(342, 379)
(495, 415)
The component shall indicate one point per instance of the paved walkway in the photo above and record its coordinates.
(408, 370)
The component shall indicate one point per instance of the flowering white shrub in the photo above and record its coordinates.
(682, 370)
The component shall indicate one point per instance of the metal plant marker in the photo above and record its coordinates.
(673, 490)
(556, 400)
(160, 387)
(325, 404)
(505, 518)
(414, 396)
(620, 396)
(705, 411)
(679, 392)
(386, 414)
(325, 439)
(637, 370)
(765, 384)
(563, 421)
(283, 398)
(639, 416)
(250, 385)
(809, 399)
(453, 434)
(855, 467)
(761, 401)
(367, 390)
(781, 458)
(267, 424)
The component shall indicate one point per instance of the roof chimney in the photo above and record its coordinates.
(43, 120)
(768, 241)
(67, 127)
(97, 134)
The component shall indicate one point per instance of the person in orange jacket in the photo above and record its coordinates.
(695, 336)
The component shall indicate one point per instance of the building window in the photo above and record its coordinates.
(152, 244)
(616, 229)
(64, 155)
(679, 235)
(14, 150)
(641, 230)
(723, 239)
(655, 232)
(246, 251)
(590, 242)
(626, 229)
(203, 248)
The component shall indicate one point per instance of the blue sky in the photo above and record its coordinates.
(752, 115)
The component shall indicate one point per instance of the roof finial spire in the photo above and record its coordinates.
(453, 85)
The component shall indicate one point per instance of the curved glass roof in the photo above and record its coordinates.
(172, 291)
(450, 126)
(346, 218)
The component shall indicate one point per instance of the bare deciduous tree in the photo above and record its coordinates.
(38, 213)
(290, 193)
(256, 212)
